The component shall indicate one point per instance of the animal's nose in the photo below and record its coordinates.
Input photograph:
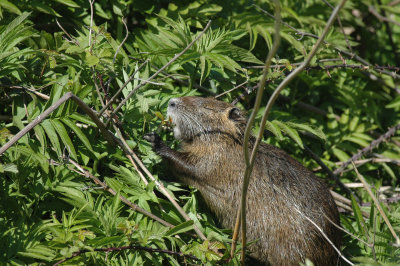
(173, 102)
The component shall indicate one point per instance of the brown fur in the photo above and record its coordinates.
(211, 159)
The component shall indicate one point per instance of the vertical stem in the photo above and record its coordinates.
(250, 161)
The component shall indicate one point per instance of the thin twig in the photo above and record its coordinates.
(159, 71)
(377, 204)
(71, 39)
(380, 17)
(368, 149)
(91, 2)
(325, 236)
(41, 95)
(123, 41)
(114, 249)
(347, 232)
(234, 88)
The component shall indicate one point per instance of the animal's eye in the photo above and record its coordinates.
(234, 113)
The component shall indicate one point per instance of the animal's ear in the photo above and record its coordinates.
(234, 113)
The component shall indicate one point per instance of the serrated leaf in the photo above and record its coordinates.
(358, 215)
(10, 7)
(290, 132)
(91, 60)
(78, 133)
(63, 134)
(274, 129)
(183, 227)
(40, 136)
(394, 104)
(341, 155)
(52, 135)
(68, 3)
(315, 131)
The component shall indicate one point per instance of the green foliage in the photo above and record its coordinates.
(49, 210)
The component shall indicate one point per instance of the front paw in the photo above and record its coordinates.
(154, 139)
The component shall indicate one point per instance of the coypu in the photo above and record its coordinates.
(280, 193)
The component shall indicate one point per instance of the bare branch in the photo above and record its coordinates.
(368, 149)
(325, 236)
(114, 249)
(123, 41)
(380, 17)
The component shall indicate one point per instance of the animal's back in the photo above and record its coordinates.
(282, 196)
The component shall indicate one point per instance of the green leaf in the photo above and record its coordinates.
(52, 135)
(290, 132)
(183, 227)
(68, 3)
(78, 133)
(10, 7)
(358, 215)
(394, 104)
(316, 131)
(91, 60)
(341, 155)
(63, 134)
(274, 129)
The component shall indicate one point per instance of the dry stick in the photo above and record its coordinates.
(155, 74)
(91, 24)
(271, 100)
(41, 95)
(395, 2)
(128, 154)
(325, 236)
(328, 67)
(132, 205)
(368, 149)
(349, 54)
(230, 90)
(345, 203)
(364, 161)
(71, 39)
(368, 188)
(155, 250)
(123, 41)
(241, 212)
(48, 111)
